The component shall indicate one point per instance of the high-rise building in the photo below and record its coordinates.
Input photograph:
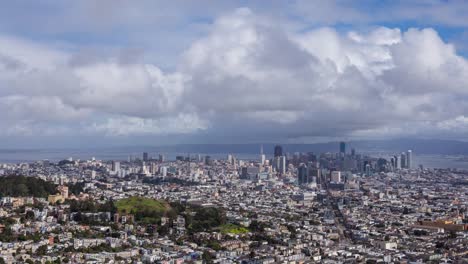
(403, 160)
(145, 156)
(161, 158)
(342, 147)
(249, 173)
(115, 166)
(282, 164)
(262, 156)
(278, 151)
(208, 160)
(409, 159)
(313, 169)
(335, 176)
(163, 171)
(302, 175)
(367, 169)
(396, 161)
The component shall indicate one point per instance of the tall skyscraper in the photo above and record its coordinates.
(115, 166)
(396, 161)
(262, 156)
(145, 156)
(403, 160)
(342, 147)
(302, 174)
(278, 151)
(409, 159)
(313, 170)
(282, 164)
(208, 161)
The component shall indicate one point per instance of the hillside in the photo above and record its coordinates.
(25, 186)
(144, 209)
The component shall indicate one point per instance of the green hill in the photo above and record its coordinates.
(145, 210)
(233, 229)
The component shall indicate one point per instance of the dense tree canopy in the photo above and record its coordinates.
(15, 186)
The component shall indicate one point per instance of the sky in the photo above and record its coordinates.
(149, 72)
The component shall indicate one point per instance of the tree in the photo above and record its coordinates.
(207, 257)
(29, 215)
(41, 250)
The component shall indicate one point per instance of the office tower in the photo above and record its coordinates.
(353, 152)
(163, 171)
(409, 159)
(342, 148)
(161, 158)
(153, 168)
(229, 158)
(276, 162)
(335, 176)
(145, 156)
(302, 174)
(115, 166)
(403, 160)
(282, 164)
(368, 170)
(249, 173)
(208, 160)
(278, 151)
(262, 156)
(396, 160)
(314, 171)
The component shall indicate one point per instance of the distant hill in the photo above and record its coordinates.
(420, 146)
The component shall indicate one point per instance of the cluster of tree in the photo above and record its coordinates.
(91, 206)
(256, 226)
(16, 185)
(168, 180)
(96, 249)
(148, 216)
(90, 220)
(64, 163)
(207, 257)
(205, 218)
(76, 188)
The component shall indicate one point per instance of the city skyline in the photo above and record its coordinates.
(341, 206)
(125, 73)
(233, 131)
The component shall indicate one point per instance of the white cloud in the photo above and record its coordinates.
(247, 72)
(124, 126)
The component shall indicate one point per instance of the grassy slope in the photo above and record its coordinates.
(233, 229)
(138, 204)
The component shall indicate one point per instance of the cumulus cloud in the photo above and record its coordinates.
(124, 126)
(247, 76)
